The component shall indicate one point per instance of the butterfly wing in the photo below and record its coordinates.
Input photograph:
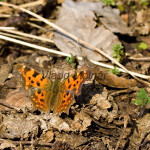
(64, 101)
(32, 78)
(70, 87)
(74, 83)
(38, 86)
(40, 99)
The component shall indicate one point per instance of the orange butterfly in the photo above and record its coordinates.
(48, 95)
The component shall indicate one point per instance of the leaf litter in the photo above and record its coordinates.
(102, 118)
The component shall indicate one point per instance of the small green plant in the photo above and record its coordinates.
(142, 46)
(109, 2)
(142, 98)
(131, 3)
(144, 2)
(115, 71)
(121, 8)
(118, 51)
(71, 60)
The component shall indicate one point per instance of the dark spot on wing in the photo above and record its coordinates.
(63, 101)
(75, 77)
(74, 85)
(32, 81)
(67, 93)
(26, 69)
(42, 94)
(68, 81)
(69, 86)
(35, 74)
(42, 100)
(77, 82)
(39, 92)
(81, 74)
(42, 78)
(64, 96)
(38, 84)
(29, 78)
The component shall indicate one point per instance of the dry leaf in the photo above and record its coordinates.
(108, 78)
(16, 126)
(60, 124)
(143, 126)
(112, 20)
(100, 104)
(78, 19)
(4, 72)
(6, 144)
(47, 137)
(143, 22)
(18, 99)
(81, 122)
(74, 140)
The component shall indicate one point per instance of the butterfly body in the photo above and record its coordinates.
(48, 95)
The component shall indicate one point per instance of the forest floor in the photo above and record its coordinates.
(74, 74)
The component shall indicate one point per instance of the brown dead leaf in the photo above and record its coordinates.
(108, 78)
(4, 72)
(60, 124)
(100, 100)
(47, 137)
(18, 99)
(16, 126)
(113, 80)
(73, 140)
(78, 19)
(143, 127)
(143, 22)
(6, 144)
(111, 19)
(99, 105)
(81, 122)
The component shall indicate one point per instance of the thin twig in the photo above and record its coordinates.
(31, 4)
(119, 92)
(36, 26)
(14, 36)
(7, 28)
(140, 59)
(37, 144)
(28, 35)
(4, 16)
(35, 46)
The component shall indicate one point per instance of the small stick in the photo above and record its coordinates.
(14, 36)
(31, 4)
(28, 35)
(30, 143)
(140, 59)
